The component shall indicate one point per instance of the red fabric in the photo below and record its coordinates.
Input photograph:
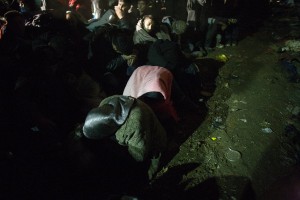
(152, 79)
(72, 3)
(82, 7)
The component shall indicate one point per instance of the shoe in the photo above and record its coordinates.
(196, 54)
(209, 49)
(220, 46)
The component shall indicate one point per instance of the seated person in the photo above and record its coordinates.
(175, 28)
(119, 16)
(142, 9)
(168, 54)
(46, 98)
(99, 7)
(148, 30)
(117, 71)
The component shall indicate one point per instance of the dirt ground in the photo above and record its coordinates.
(246, 138)
(249, 137)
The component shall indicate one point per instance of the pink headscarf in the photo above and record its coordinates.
(152, 79)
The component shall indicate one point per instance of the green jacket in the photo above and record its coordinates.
(141, 132)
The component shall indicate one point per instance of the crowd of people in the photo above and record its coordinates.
(107, 71)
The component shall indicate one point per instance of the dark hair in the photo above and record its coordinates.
(112, 3)
(127, 1)
(12, 14)
(147, 16)
(155, 28)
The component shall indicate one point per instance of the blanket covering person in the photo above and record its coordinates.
(141, 36)
(149, 79)
(131, 123)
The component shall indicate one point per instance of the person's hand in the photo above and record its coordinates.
(130, 59)
(119, 12)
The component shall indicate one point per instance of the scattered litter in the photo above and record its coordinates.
(296, 111)
(222, 127)
(218, 123)
(215, 138)
(232, 155)
(236, 109)
(267, 130)
(243, 120)
(222, 58)
(233, 76)
(265, 124)
(218, 119)
(237, 101)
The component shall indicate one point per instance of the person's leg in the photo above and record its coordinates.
(228, 36)
(235, 34)
(211, 34)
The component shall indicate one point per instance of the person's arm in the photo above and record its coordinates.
(155, 56)
(167, 59)
(125, 20)
(126, 23)
(130, 59)
(116, 63)
(108, 17)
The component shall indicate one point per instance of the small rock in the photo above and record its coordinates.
(296, 111)
(267, 130)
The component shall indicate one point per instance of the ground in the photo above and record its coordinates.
(245, 139)
(249, 138)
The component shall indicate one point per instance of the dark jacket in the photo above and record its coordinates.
(165, 53)
(127, 22)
